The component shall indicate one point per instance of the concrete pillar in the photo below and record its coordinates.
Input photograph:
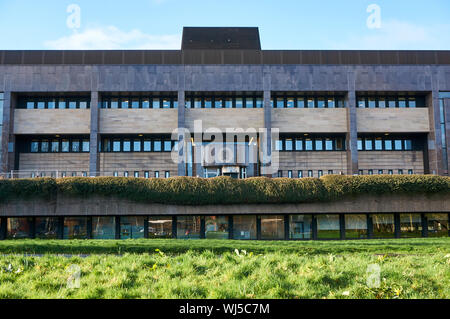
(352, 134)
(6, 133)
(434, 142)
(268, 125)
(181, 137)
(94, 160)
(447, 131)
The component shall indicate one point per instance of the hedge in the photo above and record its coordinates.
(224, 190)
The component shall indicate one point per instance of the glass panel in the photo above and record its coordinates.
(30, 105)
(239, 103)
(218, 103)
(331, 104)
(299, 145)
(65, 145)
(259, 102)
(75, 228)
(51, 103)
(300, 226)
(329, 144)
(167, 146)
(328, 226)
(44, 146)
(145, 103)
(147, 145)
(188, 227)
(55, 146)
(402, 102)
(388, 145)
(368, 144)
(362, 103)
(131, 227)
(137, 145)
(47, 227)
(116, 145)
(85, 145)
(391, 102)
(126, 145)
(166, 103)
(280, 102)
(438, 225)
(272, 227)
(104, 227)
(300, 102)
(134, 103)
(398, 145)
(290, 103)
(244, 227)
(378, 144)
(410, 225)
(279, 145)
(160, 226)
(381, 103)
(356, 226)
(72, 104)
(75, 145)
(319, 145)
(228, 103)
(371, 102)
(310, 103)
(383, 225)
(412, 102)
(216, 227)
(289, 145)
(83, 104)
(34, 146)
(320, 102)
(40, 104)
(308, 144)
(408, 145)
(18, 227)
(360, 145)
(157, 146)
(156, 103)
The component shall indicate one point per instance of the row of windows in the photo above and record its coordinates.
(146, 174)
(137, 144)
(390, 102)
(54, 103)
(218, 102)
(384, 144)
(58, 145)
(310, 144)
(308, 102)
(139, 103)
(320, 173)
(269, 227)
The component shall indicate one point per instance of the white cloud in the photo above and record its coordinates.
(399, 35)
(110, 38)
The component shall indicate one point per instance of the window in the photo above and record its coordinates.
(320, 173)
(310, 102)
(288, 145)
(156, 103)
(320, 102)
(279, 102)
(46, 227)
(371, 102)
(145, 103)
(44, 146)
(370, 172)
(18, 227)
(310, 173)
(300, 174)
(331, 103)
(390, 172)
(166, 103)
(410, 172)
(131, 227)
(85, 145)
(378, 144)
(330, 172)
(167, 174)
(438, 225)
(157, 174)
(146, 174)
(368, 144)
(360, 172)
(328, 226)
(380, 172)
(239, 102)
(216, 227)
(160, 227)
(392, 102)
(308, 144)
(300, 226)
(125, 174)
(278, 145)
(147, 145)
(244, 227)
(319, 144)
(136, 174)
(137, 145)
(408, 145)
(116, 174)
(383, 225)
(55, 146)
(75, 145)
(290, 103)
(280, 173)
(84, 174)
(116, 145)
(410, 225)
(401, 102)
(388, 145)
(398, 145)
(300, 102)
(355, 226)
(135, 103)
(167, 146)
(249, 102)
(328, 144)
(75, 228)
(188, 227)
(360, 145)
(290, 174)
(362, 102)
(126, 145)
(103, 227)
(272, 226)
(65, 145)
(400, 172)
(34, 146)
(157, 146)
(299, 145)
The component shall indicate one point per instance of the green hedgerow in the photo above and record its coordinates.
(224, 190)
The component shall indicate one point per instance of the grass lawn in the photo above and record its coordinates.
(409, 268)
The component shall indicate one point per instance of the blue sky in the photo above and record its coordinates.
(283, 24)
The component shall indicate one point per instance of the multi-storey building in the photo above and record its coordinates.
(113, 112)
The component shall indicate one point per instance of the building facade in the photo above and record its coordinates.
(113, 113)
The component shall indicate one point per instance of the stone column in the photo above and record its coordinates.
(94, 160)
(352, 133)
(181, 138)
(6, 130)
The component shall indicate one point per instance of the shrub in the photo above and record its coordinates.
(225, 190)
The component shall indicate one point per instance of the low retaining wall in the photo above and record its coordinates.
(103, 206)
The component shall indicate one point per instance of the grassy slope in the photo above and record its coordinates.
(315, 269)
